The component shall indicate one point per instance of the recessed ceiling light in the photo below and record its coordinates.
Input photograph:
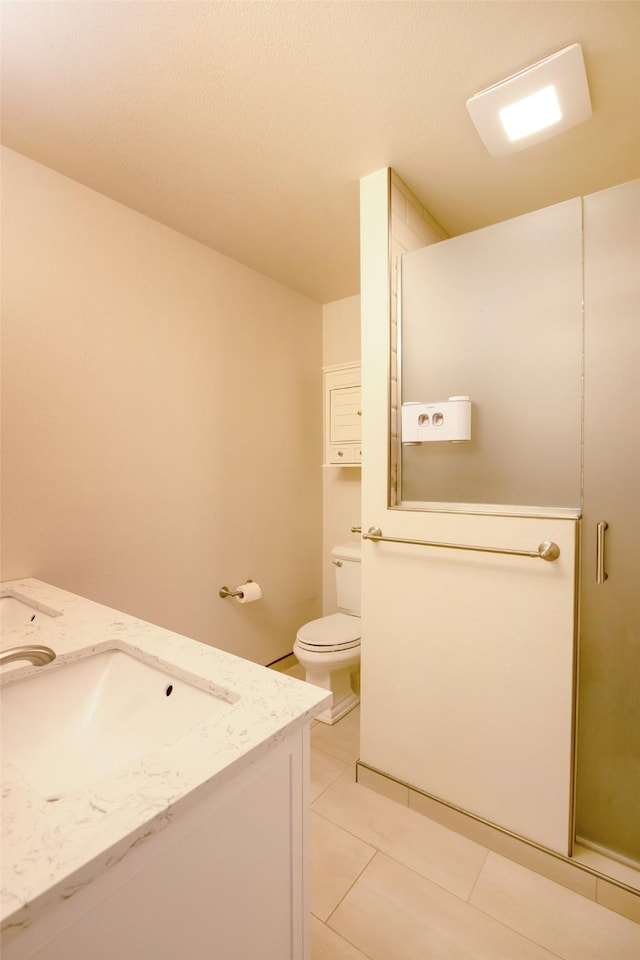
(533, 105)
(535, 112)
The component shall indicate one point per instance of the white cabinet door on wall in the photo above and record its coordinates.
(467, 658)
(343, 415)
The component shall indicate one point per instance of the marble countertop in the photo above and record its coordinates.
(50, 850)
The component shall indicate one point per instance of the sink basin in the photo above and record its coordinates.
(17, 613)
(71, 724)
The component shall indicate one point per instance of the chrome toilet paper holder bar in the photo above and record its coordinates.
(225, 592)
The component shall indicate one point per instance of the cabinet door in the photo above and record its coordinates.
(345, 415)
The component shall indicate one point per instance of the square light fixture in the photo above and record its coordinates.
(533, 105)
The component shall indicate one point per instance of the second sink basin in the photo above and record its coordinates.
(16, 613)
(74, 723)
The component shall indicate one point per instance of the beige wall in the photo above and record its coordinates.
(412, 227)
(341, 485)
(161, 419)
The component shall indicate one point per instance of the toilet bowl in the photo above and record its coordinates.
(329, 648)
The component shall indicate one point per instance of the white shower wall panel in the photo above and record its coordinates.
(467, 668)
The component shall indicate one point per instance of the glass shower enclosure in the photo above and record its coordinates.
(548, 350)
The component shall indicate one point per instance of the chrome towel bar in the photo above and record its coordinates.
(547, 550)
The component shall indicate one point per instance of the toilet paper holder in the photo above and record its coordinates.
(225, 592)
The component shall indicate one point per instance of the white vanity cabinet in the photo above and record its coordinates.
(342, 415)
(224, 879)
(194, 847)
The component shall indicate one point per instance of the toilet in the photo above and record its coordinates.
(329, 648)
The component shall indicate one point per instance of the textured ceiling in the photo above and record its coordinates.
(247, 125)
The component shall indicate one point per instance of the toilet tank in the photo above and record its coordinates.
(346, 561)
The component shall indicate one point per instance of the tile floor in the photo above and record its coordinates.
(389, 884)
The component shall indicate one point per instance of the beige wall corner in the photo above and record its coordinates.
(341, 331)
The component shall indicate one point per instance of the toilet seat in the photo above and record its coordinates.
(328, 634)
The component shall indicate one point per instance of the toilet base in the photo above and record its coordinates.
(334, 670)
(344, 687)
(334, 713)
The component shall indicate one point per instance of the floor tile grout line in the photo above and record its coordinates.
(324, 790)
(508, 926)
(472, 906)
(593, 903)
(377, 853)
(332, 784)
(435, 883)
(367, 956)
(423, 817)
(348, 763)
(400, 863)
(475, 882)
(351, 886)
(351, 763)
(368, 842)
(542, 946)
(349, 833)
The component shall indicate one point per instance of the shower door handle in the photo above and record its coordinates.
(601, 574)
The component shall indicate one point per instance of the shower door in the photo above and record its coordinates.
(608, 756)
